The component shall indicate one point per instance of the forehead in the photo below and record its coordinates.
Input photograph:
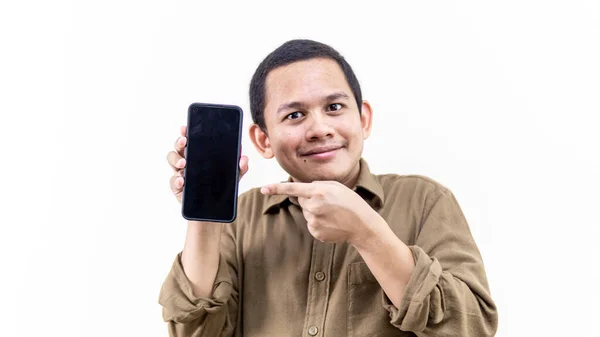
(304, 81)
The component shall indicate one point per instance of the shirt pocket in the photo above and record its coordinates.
(366, 314)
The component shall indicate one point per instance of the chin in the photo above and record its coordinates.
(324, 177)
(307, 171)
(323, 174)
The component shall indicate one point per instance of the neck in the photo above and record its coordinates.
(352, 178)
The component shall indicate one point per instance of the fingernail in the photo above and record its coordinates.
(181, 162)
(264, 190)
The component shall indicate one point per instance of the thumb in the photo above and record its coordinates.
(243, 165)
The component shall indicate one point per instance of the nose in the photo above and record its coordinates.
(319, 128)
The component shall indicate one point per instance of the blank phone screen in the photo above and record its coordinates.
(212, 157)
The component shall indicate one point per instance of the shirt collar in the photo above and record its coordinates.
(367, 186)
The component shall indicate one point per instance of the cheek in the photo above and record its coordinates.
(350, 130)
(286, 141)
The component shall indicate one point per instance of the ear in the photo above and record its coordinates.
(366, 119)
(261, 142)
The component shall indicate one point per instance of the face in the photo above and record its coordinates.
(313, 125)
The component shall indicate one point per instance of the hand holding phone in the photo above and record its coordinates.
(207, 163)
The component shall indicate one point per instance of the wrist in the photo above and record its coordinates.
(373, 234)
(204, 226)
(205, 232)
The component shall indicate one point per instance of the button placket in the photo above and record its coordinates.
(318, 292)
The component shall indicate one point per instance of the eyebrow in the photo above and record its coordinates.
(300, 105)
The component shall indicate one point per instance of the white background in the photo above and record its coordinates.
(499, 101)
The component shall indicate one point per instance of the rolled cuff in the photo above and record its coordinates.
(422, 301)
(178, 300)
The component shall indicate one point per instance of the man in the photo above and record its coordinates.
(336, 251)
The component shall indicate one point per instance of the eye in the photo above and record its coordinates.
(334, 107)
(294, 115)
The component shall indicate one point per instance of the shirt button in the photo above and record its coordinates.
(320, 276)
(313, 330)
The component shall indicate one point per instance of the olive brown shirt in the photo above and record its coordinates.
(275, 279)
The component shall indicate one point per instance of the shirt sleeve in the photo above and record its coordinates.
(190, 316)
(448, 293)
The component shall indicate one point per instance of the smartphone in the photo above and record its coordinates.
(212, 156)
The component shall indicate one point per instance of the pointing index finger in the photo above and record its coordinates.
(304, 190)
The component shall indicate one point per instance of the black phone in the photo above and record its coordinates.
(212, 153)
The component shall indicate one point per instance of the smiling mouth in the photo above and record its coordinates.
(320, 151)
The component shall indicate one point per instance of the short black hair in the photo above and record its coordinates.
(289, 52)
